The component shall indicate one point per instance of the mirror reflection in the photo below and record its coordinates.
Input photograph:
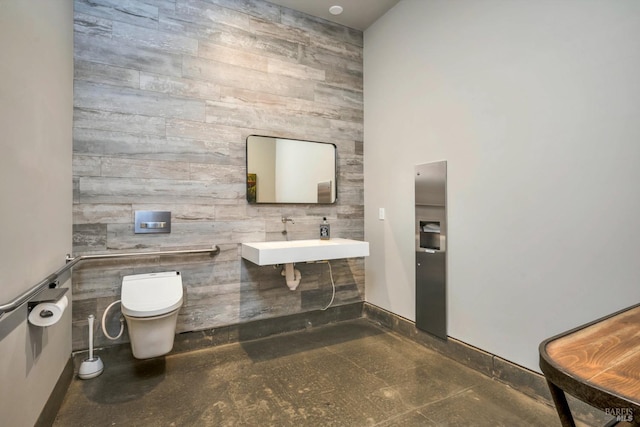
(290, 171)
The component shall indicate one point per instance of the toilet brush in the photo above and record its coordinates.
(93, 366)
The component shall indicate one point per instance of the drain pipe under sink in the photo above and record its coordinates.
(291, 275)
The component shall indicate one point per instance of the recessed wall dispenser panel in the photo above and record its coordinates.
(431, 254)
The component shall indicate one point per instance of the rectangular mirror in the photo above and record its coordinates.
(283, 170)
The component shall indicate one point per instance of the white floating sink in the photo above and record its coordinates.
(284, 252)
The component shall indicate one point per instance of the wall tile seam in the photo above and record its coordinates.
(296, 112)
(334, 314)
(121, 91)
(345, 54)
(279, 21)
(190, 170)
(146, 74)
(348, 173)
(271, 61)
(328, 44)
(302, 28)
(316, 21)
(171, 97)
(306, 29)
(82, 5)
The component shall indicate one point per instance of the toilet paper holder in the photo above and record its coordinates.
(48, 295)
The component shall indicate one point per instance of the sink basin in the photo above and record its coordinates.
(284, 252)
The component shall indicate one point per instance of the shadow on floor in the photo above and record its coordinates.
(125, 382)
(305, 341)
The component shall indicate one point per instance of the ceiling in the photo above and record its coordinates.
(358, 14)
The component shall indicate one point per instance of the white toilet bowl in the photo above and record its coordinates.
(150, 304)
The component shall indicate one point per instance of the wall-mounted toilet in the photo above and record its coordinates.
(150, 304)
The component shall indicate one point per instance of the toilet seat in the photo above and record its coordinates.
(154, 294)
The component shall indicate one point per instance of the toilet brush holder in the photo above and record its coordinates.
(93, 366)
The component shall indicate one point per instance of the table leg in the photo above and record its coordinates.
(562, 406)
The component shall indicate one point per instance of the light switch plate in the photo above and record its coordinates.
(381, 213)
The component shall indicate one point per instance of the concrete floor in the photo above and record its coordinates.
(351, 373)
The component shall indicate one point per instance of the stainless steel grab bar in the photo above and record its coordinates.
(71, 261)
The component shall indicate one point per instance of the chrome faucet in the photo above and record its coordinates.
(284, 221)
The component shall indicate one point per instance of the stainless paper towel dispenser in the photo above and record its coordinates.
(431, 253)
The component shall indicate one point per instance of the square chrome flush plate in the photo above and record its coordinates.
(146, 222)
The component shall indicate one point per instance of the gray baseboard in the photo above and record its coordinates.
(517, 377)
(266, 327)
(196, 340)
(51, 408)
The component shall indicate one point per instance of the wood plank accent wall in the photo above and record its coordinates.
(165, 94)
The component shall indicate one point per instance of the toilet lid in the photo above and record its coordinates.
(147, 295)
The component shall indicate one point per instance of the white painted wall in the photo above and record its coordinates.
(535, 105)
(36, 84)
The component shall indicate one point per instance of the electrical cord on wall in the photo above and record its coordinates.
(333, 285)
(104, 327)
